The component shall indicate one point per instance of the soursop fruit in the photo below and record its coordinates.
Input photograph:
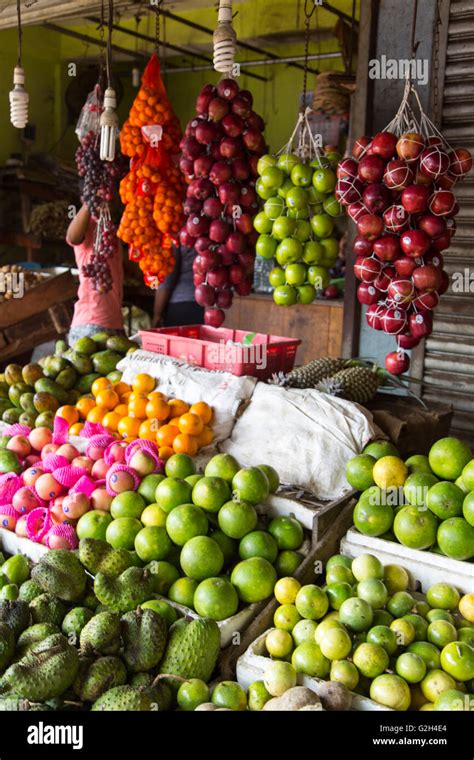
(16, 615)
(33, 634)
(75, 621)
(123, 698)
(59, 572)
(47, 608)
(99, 557)
(144, 639)
(101, 634)
(45, 672)
(160, 692)
(98, 676)
(192, 649)
(126, 592)
(29, 590)
(90, 601)
(7, 646)
(13, 704)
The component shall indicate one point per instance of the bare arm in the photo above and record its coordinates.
(77, 230)
(162, 297)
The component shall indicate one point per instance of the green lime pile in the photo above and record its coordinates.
(296, 226)
(365, 630)
(210, 549)
(426, 502)
(32, 394)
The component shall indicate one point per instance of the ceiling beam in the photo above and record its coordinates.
(93, 40)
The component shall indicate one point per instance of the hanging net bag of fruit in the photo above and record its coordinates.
(154, 189)
(296, 226)
(99, 181)
(398, 188)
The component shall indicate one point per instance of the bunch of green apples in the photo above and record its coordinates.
(296, 226)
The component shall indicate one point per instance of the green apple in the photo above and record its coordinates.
(272, 178)
(334, 157)
(266, 246)
(285, 295)
(297, 198)
(273, 207)
(262, 191)
(276, 277)
(93, 524)
(331, 246)
(299, 213)
(313, 252)
(314, 196)
(332, 206)
(321, 162)
(301, 175)
(295, 274)
(262, 223)
(283, 189)
(324, 180)
(322, 225)
(287, 161)
(306, 293)
(302, 230)
(264, 162)
(289, 251)
(283, 227)
(319, 277)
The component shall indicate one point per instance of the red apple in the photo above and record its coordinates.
(220, 172)
(215, 150)
(191, 127)
(384, 145)
(442, 203)
(244, 224)
(240, 169)
(370, 226)
(202, 189)
(253, 163)
(356, 210)
(187, 166)
(404, 266)
(367, 268)
(192, 206)
(237, 274)
(218, 108)
(460, 162)
(371, 169)
(248, 198)
(376, 198)
(401, 291)
(229, 193)
(443, 242)
(205, 295)
(398, 175)
(255, 121)
(219, 231)
(410, 145)
(447, 181)
(219, 277)
(228, 89)
(414, 243)
(233, 125)
(202, 166)
(226, 257)
(394, 320)
(387, 248)
(253, 139)
(224, 298)
(240, 107)
(212, 207)
(406, 341)
(244, 288)
(396, 218)
(231, 147)
(367, 293)
(427, 278)
(199, 279)
(373, 316)
(197, 225)
(434, 140)
(362, 246)
(347, 168)
(208, 260)
(247, 260)
(214, 317)
(236, 242)
(332, 291)
(360, 146)
(434, 226)
(202, 244)
(382, 282)
(191, 148)
(434, 258)
(397, 362)
(207, 92)
(425, 301)
(415, 198)
(434, 162)
(444, 283)
(348, 191)
(206, 132)
(420, 325)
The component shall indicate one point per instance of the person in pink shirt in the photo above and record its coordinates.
(94, 312)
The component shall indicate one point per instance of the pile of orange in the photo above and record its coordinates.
(140, 411)
(153, 191)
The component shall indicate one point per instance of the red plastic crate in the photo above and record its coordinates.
(208, 347)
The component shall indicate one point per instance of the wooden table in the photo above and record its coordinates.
(318, 325)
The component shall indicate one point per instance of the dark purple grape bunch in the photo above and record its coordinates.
(105, 248)
(100, 178)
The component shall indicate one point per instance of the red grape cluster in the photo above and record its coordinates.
(100, 177)
(105, 248)
(399, 193)
(220, 151)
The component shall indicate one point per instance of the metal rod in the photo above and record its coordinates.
(183, 51)
(243, 45)
(263, 62)
(340, 14)
(92, 40)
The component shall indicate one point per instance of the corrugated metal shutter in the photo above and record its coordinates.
(449, 357)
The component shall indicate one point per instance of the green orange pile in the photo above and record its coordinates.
(426, 502)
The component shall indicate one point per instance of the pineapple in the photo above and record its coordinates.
(358, 384)
(309, 375)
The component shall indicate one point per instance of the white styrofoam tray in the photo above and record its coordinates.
(10, 543)
(424, 567)
(252, 664)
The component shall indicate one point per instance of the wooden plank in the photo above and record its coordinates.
(54, 290)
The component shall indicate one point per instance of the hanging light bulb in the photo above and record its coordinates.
(136, 77)
(225, 40)
(19, 98)
(108, 126)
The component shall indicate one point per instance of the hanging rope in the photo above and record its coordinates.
(414, 45)
(158, 27)
(20, 33)
(308, 12)
(109, 41)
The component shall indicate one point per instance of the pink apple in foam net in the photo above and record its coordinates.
(376, 198)
(398, 175)
(192, 148)
(240, 106)
(212, 207)
(219, 230)
(348, 167)
(218, 278)
(228, 89)
(75, 505)
(214, 317)
(387, 248)
(82, 461)
(397, 362)
(240, 169)
(117, 452)
(100, 469)
(420, 324)
(414, 243)
(384, 144)
(383, 280)
(220, 172)
(205, 295)
(231, 147)
(370, 226)
(224, 298)
(427, 278)
(197, 226)
(367, 293)
(415, 198)
(371, 169)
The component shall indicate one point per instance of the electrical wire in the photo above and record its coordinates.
(20, 32)
(109, 42)
(414, 45)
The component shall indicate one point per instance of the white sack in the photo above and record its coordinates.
(221, 390)
(306, 435)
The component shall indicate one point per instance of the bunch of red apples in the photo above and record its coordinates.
(220, 150)
(399, 191)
